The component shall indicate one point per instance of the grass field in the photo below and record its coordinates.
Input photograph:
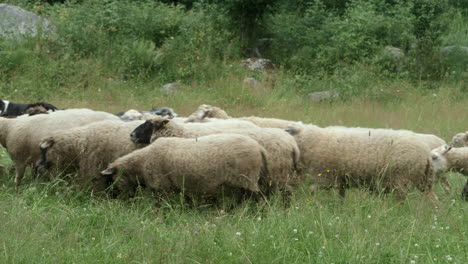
(55, 222)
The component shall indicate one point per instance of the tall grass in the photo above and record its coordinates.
(58, 222)
(120, 59)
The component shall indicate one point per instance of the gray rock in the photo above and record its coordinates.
(395, 57)
(454, 50)
(170, 88)
(323, 95)
(393, 52)
(16, 22)
(251, 83)
(258, 64)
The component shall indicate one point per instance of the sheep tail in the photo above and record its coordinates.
(295, 160)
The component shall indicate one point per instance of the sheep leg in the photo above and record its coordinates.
(19, 174)
(286, 195)
(446, 184)
(342, 191)
(433, 198)
(465, 192)
(400, 194)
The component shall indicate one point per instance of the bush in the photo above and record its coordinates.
(322, 40)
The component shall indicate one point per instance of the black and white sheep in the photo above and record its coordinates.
(283, 152)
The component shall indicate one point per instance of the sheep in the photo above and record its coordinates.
(133, 114)
(89, 148)
(460, 140)
(350, 157)
(283, 152)
(195, 166)
(21, 136)
(207, 111)
(447, 158)
(204, 112)
(271, 122)
(153, 129)
(432, 141)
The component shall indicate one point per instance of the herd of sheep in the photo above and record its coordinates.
(211, 153)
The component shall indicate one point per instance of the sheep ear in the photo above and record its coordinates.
(291, 130)
(447, 148)
(47, 143)
(164, 122)
(109, 172)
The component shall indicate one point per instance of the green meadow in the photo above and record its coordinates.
(116, 55)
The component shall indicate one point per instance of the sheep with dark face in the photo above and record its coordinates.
(283, 152)
(196, 166)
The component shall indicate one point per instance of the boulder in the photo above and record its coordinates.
(453, 50)
(254, 85)
(258, 64)
(393, 52)
(170, 88)
(16, 22)
(323, 95)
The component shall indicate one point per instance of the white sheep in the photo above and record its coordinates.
(88, 148)
(376, 159)
(283, 153)
(21, 136)
(196, 166)
(447, 158)
(432, 141)
(207, 111)
(271, 122)
(460, 140)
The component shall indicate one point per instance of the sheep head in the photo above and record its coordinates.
(439, 159)
(42, 164)
(460, 140)
(120, 179)
(201, 113)
(143, 133)
(293, 130)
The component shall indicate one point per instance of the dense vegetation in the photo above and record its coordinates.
(191, 42)
(115, 55)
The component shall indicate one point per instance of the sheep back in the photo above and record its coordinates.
(196, 165)
(90, 148)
